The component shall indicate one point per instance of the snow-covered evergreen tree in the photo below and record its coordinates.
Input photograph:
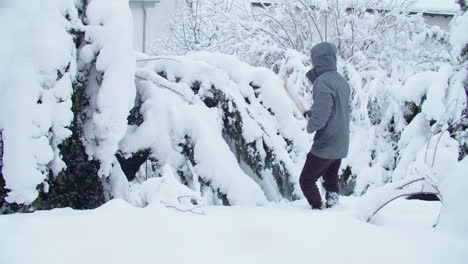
(221, 125)
(37, 89)
(69, 118)
(455, 183)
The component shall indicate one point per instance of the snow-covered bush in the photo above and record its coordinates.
(227, 128)
(454, 181)
(108, 50)
(62, 88)
(459, 43)
(192, 26)
(432, 147)
(36, 89)
(166, 190)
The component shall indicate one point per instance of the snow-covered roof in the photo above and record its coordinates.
(448, 7)
(435, 6)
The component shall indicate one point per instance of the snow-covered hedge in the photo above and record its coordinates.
(228, 128)
(37, 70)
(64, 69)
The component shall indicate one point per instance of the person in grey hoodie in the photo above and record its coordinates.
(329, 118)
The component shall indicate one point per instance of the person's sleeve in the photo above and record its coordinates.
(321, 108)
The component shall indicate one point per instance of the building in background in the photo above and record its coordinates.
(151, 17)
(150, 20)
(435, 12)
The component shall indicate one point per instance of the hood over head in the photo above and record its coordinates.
(323, 56)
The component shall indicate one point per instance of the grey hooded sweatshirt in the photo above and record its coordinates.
(330, 111)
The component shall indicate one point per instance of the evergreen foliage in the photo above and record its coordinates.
(248, 152)
(233, 129)
(78, 186)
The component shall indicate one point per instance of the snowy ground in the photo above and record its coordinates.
(277, 233)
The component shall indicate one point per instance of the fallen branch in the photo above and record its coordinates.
(396, 197)
(191, 210)
(157, 58)
(375, 200)
(162, 83)
(192, 198)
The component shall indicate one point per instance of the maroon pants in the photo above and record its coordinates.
(314, 168)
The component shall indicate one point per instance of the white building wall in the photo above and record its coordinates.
(442, 21)
(157, 18)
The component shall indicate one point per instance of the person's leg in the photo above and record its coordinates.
(330, 176)
(330, 183)
(312, 171)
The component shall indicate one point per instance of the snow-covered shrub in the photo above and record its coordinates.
(166, 190)
(436, 170)
(454, 185)
(192, 26)
(36, 86)
(459, 44)
(108, 49)
(101, 34)
(222, 125)
(256, 35)
(50, 158)
(74, 185)
(433, 144)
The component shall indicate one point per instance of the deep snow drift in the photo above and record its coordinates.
(276, 233)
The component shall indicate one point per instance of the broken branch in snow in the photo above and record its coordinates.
(157, 58)
(396, 197)
(158, 82)
(377, 199)
(194, 200)
(191, 210)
